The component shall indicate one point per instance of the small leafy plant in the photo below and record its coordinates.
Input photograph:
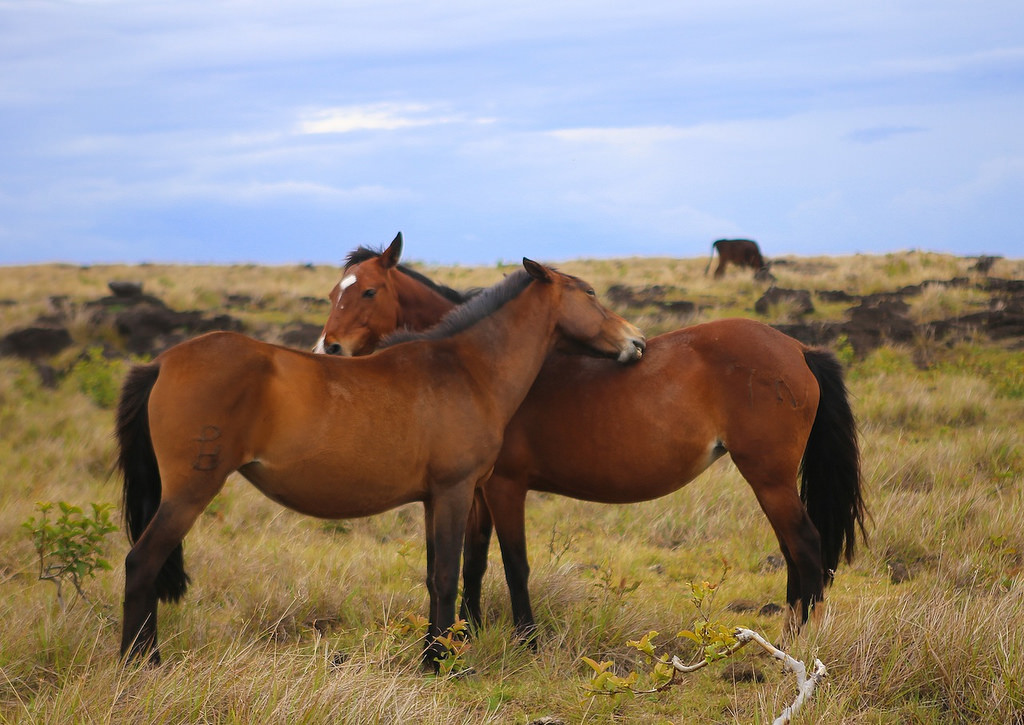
(715, 641)
(455, 646)
(71, 546)
(616, 588)
(409, 628)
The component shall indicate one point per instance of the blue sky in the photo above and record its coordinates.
(279, 132)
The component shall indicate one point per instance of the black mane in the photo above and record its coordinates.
(362, 254)
(469, 313)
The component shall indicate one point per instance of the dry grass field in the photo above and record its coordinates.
(293, 619)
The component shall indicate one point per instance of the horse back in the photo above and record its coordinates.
(600, 432)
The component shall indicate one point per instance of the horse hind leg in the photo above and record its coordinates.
(506, 498)
(802, 594)
(143, 565)
(801, 547)
(798, 539)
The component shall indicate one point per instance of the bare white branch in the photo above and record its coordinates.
(805, 683)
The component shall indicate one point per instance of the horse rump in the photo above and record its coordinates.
(137, 462)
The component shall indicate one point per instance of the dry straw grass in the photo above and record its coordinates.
(291, 619)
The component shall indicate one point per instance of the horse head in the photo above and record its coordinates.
(584, 323)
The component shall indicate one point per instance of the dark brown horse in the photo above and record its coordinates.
(340, 438)
(739, 253)
(600, 432)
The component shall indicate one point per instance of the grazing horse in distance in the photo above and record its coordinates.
(740, 253)
(598, 432)
(340, 437)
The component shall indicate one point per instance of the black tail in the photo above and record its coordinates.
(830, 470)
(137, 461)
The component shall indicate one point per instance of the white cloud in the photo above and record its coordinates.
(377, 117)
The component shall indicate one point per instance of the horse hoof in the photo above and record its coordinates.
(528, 637)
(152, 660)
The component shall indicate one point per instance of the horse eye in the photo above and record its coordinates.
(591, 292)
(370, 292)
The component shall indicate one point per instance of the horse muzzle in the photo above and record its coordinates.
(633, 351)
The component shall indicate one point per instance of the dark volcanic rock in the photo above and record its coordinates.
(798, 299)
(628, 296)
(35, 342)
(678, 307)
(837, 295)
(984, 264)
(150, 329)
(650, 296)
(995, 284)
(125, 289)
(812, 333)
(876, 321)
(302, 336)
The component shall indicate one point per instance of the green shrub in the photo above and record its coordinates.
(70, 548)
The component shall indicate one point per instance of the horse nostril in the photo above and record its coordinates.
(333, 349)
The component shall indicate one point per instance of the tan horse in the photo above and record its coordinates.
(598, 432)
(339, 438)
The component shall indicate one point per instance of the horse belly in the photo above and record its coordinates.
(608, 472)
(330, 493)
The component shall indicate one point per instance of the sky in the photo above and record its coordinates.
(250, 131)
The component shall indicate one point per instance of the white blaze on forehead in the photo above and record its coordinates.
(343, 285)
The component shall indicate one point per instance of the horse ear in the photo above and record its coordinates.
(537, 271)
(390, 256)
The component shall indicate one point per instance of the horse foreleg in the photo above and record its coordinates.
(142, 565)
(507, 501)
(448, 512)
(474, 558)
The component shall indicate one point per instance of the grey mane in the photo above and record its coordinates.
(469, 313)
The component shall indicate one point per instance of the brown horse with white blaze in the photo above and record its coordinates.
(379, 303)
(599, 432)
(418, 426)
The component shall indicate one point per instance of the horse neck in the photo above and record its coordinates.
(419, 307)
(510, 346)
